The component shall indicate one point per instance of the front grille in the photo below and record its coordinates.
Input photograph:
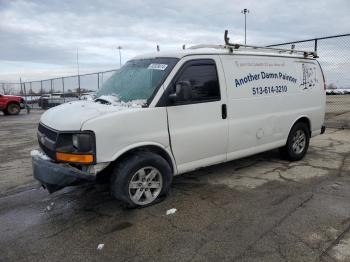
(49, 133)
(50, 153)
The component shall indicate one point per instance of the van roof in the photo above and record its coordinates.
(220, 50)
(234, 49)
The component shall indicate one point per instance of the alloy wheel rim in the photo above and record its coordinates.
(145, 185)
(299, 142)
(13, 109)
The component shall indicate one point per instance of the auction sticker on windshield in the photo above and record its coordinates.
(157, 66)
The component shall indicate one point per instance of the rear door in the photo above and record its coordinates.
(198, 128)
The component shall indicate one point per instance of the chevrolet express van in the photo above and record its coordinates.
(165, 114)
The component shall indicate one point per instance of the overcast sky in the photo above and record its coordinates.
(39, 39)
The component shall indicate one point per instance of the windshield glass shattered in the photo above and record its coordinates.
(137, 79)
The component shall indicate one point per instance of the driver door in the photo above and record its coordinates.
(198, 125)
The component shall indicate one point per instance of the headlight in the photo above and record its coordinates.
(83, 142)
(76, 147)
(75, 139)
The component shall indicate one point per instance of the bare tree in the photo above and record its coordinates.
(6, 89)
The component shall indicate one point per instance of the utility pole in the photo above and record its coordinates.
(245, 11)
(25, 95)
(120, 56)
(78, 73)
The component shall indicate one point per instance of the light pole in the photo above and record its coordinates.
(120, 56)
(245, 11)
(79, 90)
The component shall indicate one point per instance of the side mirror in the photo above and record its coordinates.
(183, 92)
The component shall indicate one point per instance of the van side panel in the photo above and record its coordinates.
(266, 96)
(119, 131)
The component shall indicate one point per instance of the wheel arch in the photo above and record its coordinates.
(12, 102)
(303, 119)
(150, 147)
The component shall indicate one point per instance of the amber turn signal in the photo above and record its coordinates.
(74, 158)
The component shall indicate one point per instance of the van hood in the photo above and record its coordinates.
(71, 116)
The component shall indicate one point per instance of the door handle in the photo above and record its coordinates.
(223, 111)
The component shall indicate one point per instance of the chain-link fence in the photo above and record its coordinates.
(334, 57)
(47, 93)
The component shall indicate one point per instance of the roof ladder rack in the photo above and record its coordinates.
(232, 46)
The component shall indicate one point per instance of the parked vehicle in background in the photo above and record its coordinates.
(165, 114)
(55, 99)
(88, 96)
(338, 91)
(32, 99)
(11, 105)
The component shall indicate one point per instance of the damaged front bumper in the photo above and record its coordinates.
(55, 176)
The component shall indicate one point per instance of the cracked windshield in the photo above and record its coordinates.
(137, 79)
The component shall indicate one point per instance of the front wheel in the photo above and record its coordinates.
(297, 143)
(12, 109)
(141, 179)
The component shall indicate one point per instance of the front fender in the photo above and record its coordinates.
(132, 147)
(118, 132)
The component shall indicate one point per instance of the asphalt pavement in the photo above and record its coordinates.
(260, 208)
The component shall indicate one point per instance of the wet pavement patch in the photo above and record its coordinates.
(259, 208)
(117, 227)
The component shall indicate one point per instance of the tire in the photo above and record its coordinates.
(130, 179)
(12, 109)
(297, 143)
(44, 104)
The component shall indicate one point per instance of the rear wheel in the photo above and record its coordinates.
(297, 143)
(12, 109)
(141, 179)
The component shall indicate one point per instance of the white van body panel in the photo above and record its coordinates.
(198, 134)
(261, 111)
(116, 132)
(266, 96)
(71, 116)
(148, 144)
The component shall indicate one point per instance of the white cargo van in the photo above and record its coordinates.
(165, 114)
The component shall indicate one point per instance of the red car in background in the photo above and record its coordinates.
(11, 105)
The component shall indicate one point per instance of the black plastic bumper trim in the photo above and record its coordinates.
(55, 176)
